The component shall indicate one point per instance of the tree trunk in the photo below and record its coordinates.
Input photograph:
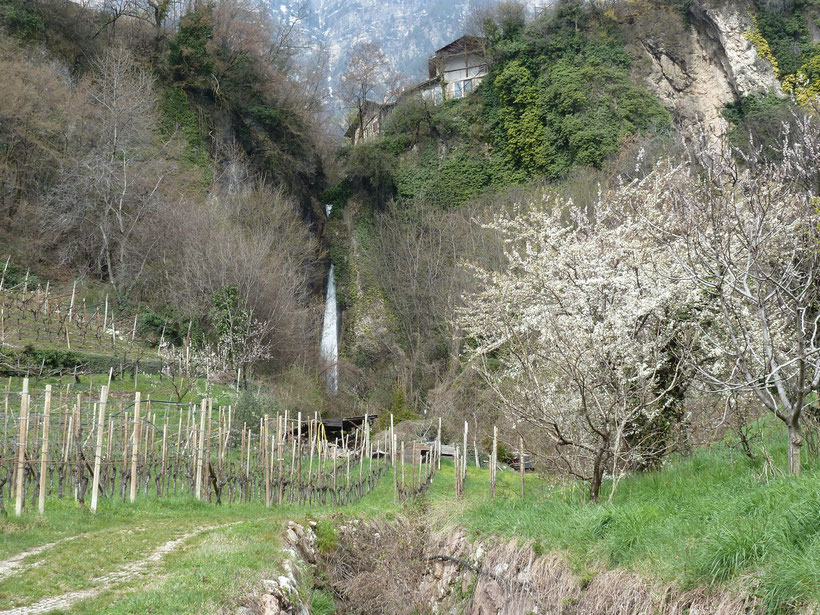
(795, 444)
(597, 477)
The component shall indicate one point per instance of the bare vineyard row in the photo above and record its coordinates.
(39, 315)
(68, 446)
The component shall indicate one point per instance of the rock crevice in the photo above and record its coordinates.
(699, 67)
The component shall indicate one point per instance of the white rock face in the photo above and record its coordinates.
(696, 71)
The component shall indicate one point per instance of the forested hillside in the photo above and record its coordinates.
(174, 156)
(571, 331)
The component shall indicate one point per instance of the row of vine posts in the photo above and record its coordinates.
(70, 445)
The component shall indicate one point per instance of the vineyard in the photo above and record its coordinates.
(43, 333)
(71, 445)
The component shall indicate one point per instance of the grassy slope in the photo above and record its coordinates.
(714, 518)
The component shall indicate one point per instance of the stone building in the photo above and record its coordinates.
(455, 70)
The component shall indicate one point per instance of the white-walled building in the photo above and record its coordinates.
(455, 71)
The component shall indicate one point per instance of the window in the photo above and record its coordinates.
(457, 90)
(437, 96)
(468, 86)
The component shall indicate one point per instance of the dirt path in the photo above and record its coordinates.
(15, 564)
(125, 573)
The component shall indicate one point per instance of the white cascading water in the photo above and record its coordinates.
(329, 348)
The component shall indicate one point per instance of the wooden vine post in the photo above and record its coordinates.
(521, 464)
(135, 447)
(95, 486)
(395, 474)
(438, 443)
(493, 462)
(200, 450)
(265, 457)
(280, 440)
(44, 452)
(464, 452)
(22, 436)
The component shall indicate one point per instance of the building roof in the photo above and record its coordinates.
(464, 44)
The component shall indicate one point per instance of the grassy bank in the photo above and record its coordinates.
(715, 518)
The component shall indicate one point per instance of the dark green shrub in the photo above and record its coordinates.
(21, 21)
(399, 408)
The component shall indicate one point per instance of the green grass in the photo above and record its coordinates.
(711, 519)
(209, 573)
(326, 538)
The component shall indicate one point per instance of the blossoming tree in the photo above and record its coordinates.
(574, 336)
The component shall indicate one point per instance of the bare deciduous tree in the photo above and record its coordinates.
(252, 240)
(98, 211)
(366, 80)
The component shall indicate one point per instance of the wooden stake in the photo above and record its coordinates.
(44, 452)
(281, 441)
(392, 443)
(402, 467)
(521, 463)
(95, 487)
(266, 456)
(299, 450)
(464, 452)
(456, 471)
(395, 473)
(438, 443)
(22, 436)
(163, 479)
(207, 456)
(135, 446)
(71, 305)
(200, 451)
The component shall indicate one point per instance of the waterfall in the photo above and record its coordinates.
(329, 349)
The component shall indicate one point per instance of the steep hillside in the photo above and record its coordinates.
(174, 160)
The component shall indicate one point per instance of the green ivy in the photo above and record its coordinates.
(179, 113)
(561, 96)
(189, 56)
(337, 195)
(20, 21)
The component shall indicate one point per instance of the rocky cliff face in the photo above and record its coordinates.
(409, 31)
(696, 68)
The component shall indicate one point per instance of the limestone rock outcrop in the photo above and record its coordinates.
(699, 64)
